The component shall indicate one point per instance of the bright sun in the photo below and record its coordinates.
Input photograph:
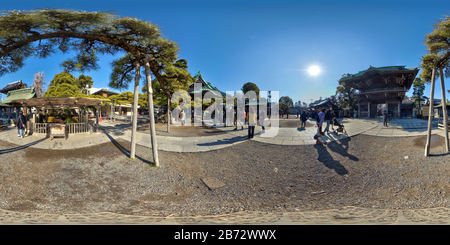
(314, 70)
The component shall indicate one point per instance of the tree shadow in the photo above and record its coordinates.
(21, 147)
(125, 151)
(225, 141)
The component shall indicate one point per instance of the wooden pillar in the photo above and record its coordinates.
(430, 115)
(8, 121)
(399, 109)
(368, 108)
(98, 115)
(359, 110)
(444, 108)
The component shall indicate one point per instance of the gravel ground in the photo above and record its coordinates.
(363, 171)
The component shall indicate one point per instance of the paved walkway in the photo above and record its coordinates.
(285, 136)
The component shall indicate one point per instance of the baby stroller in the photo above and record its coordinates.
(340, 128)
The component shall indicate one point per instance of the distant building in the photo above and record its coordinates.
(322, 104)
(104, 92)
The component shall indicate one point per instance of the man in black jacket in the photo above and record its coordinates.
(385, 117)
(303, 118)
(328, 119)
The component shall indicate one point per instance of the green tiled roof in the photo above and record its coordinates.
(382, 69)
(207, 87)
(20, 94)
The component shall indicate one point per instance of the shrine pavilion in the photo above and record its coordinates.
(381, 85)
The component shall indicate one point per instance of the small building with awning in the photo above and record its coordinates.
(69, 113)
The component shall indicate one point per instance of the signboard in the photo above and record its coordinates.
(57, 130)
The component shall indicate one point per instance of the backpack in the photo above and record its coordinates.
(317, 118)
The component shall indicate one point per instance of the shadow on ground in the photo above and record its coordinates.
(338, 146)
(21, 147)
(125, 151)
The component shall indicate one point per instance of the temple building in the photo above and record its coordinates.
(322, 104)
(205, 87)
(381, 85)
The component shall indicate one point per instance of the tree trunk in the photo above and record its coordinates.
(151, 113)
(135, 106)
(444, 108)
(168, 114)
(431, 113)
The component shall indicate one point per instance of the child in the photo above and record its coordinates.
(337, 124)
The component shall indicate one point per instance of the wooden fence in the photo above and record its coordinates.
(78, 128)
(40, 128)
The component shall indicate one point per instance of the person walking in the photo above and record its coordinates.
(21, 124)
(303, 118)
(332, 116)
(262, 117)
(235, 120)
(251, 122)
(320, 118)
(183, 117)
(328, 120)
(385, 116)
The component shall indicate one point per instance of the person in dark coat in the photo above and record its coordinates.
(21, 124)
(385, 116)
(303, 118)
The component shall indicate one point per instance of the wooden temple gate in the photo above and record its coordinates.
(383, 85)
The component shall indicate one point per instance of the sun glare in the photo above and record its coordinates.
(314, 70)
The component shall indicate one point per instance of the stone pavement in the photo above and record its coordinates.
(285, 136)
(344, 216)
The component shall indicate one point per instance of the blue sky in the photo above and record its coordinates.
(269, 43)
